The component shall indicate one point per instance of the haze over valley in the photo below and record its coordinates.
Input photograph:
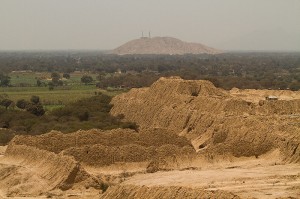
(150, 100)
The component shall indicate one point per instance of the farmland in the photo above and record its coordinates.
(24, 85)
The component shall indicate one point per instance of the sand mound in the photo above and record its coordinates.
(30, 171)
(102, 148)
(2, 150)
(163, 45)
(56, 141)
(253, 95)
(137, 192)
(212, 119)
(99, 155)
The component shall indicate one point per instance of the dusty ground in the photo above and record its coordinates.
(253, 95)
(254, 181)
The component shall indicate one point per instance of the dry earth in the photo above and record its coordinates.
(246, 181)
(194, 141)
(213, 120)
(253, 95)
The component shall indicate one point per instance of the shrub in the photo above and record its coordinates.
(35, 99)
(6, 103)
(66, 75)
(83, 116)
(36, 109)
(5, 136)
(86, 79)
(21, 104)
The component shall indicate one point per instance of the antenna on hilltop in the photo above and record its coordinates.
(149, 34)
(142, 34)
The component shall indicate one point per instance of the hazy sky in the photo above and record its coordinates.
(106, 24)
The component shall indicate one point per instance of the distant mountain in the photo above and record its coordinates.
(163, 45)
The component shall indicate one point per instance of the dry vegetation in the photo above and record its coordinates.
(194, 141)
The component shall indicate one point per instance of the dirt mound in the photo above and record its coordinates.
(2, 150)
(56, 141)
(137, 192)
(99, 155)
(169, 103)
(212, 119)
(30, 171)
(102, 148)
(282, 107)
(253, 95)
(163, 45)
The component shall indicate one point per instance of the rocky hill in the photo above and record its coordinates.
(163, 45)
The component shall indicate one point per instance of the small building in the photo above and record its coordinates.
(271, 97)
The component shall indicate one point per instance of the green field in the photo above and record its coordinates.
(30, 78)
(72, 91)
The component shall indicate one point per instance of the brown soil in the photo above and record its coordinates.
(163, 192)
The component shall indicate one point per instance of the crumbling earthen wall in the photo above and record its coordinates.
(51, 171)
(213, 119)
(163, 192)
(99, 155)
(56, 141)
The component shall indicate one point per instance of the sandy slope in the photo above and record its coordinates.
(254, 95)
(257, 181)
(214, 121)
(241, 177)
(2, 150)
(250, 177)
(262, 177)
(31, 172)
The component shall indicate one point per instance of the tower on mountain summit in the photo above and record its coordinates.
(145, 37)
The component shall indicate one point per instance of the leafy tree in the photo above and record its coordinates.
(56, 79)
(60, 83)
(5, 136)
(86, 79)
(51, 86)
(35, 99)
(55, 75)
(83, 116)
(38, 83)
(21, 104)
(101, 76)
(36, 109)
(6, 103)
(4, 80)
(66, 75)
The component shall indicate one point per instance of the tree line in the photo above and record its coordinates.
(228, 70)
